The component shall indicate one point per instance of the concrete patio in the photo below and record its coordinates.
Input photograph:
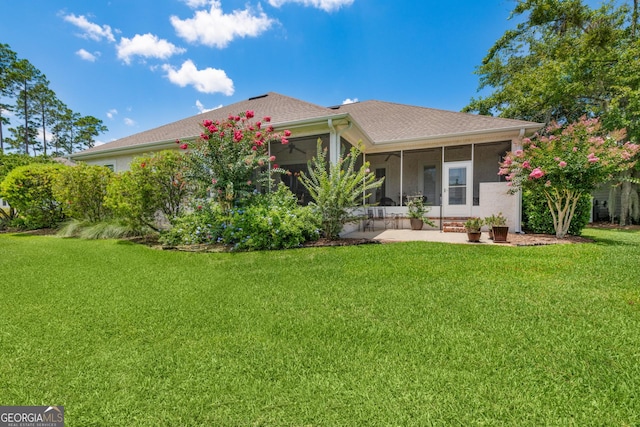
(406, 235)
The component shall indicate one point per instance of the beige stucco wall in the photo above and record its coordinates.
(495, 198)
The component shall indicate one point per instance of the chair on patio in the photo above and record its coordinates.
(381, 215)
(368, 221)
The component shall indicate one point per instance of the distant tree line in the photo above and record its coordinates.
(33, 120)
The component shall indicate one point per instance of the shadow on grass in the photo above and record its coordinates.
(614, 237)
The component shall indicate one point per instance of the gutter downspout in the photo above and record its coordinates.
(519, 209)
(334, 140)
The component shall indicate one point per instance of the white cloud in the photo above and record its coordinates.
(215, 28)
(349, 101)
(326, 5)
(91, 31)
(194, 4)
(209, 80)
(146, 45)
(87, 56)
(201, 108)
(112, 113)
(129, 122)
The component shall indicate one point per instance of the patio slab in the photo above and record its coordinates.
(405, 235)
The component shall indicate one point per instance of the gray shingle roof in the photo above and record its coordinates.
(381, 121)
(282, 109)
(387, 121)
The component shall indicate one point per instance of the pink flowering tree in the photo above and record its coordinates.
(566, 163)
(232, 157)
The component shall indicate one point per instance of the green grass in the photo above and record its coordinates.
(399, 334)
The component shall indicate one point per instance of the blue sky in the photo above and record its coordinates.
(137, 64)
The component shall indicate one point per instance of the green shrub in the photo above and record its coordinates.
(537, 216)
(29, 190)
(202, 225)
(270, 221)
(81, 191)
(273, 221)
(154, 184)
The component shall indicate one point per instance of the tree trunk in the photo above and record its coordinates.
(562, 207)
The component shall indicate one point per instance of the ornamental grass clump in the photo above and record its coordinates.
(564, 163)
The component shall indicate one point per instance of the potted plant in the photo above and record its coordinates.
(494, 220)
(417, 212)
(473, 227)
(498, 229)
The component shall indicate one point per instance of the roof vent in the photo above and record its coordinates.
(259, 96)
(335, 107)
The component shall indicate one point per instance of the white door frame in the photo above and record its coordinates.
(457, 210)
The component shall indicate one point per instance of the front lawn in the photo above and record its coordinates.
(398, 334)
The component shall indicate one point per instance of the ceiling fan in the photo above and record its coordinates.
(391, 154)
(292, 147)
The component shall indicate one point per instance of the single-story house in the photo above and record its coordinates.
(449, 158)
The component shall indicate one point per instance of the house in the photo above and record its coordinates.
(449, 158)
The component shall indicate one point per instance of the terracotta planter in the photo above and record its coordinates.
(416, 223)
(500, 233)
(474, 236)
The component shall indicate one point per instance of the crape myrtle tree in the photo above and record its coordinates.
(231, 158)
(565, 163)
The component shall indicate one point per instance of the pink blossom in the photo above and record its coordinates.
(284, 141)
(536, 173)
(275, 166)
(214, 181)
(270, 129)
(562, 164)
(250, 114)
(237, 136)
(547, 184)
(207, 123)
(287, 133)
(575, 149)
(508, 161)
(267, 119)
(526, 141)
(258, 125)
(184, 146)
(204, 136)
(519, 153)
(143, 164)
(199, 207)
(526, 165)
(503, 171)
(272, 158)
(236, 118)
(249, 182)
(367, 170)
(258, 135)
(177, 141)
(254, 148)
(261, 162)
(592, 158)
(212, 129)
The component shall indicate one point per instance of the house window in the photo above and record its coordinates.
(5, 204)
(111, 167)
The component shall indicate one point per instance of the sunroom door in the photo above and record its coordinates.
(457, 189)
